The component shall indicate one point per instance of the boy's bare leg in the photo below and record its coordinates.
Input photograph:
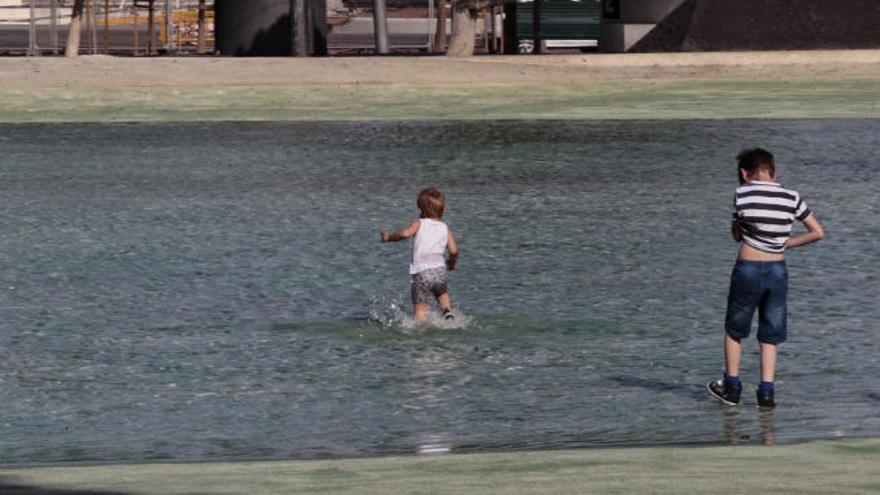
(420, 312)
(445, 301)
(732, 355)
(768, 362)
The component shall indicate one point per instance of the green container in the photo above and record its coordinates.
(561, 19)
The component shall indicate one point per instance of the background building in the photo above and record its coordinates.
(725, 25)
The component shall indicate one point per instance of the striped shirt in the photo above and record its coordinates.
(765, 212)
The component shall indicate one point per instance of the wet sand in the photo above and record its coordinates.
(845, 466)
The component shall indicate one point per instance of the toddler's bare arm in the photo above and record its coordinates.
(402, 234)
(452, 247)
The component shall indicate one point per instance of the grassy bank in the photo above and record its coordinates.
(846, 466)
(600, 99)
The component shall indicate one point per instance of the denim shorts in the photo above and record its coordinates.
(761, 285)
(427, 283)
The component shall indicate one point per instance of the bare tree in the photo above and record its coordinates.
(73, 32)
(464, 25)
(439, 44)
(202, 46)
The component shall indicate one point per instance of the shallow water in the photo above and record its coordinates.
(213, 291)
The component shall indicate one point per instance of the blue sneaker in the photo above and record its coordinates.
(765, 398)
(724, 392)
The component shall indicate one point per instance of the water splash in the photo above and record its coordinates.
(435, 319)
(390, 312)
(387, 311)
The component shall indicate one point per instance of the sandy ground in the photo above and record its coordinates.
(846, 466)
(680, 85)
(119, 72)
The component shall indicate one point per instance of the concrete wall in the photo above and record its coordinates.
(749, 25)
(646, 11)
(631, 22)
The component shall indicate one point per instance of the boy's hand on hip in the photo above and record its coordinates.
(736, 231)
(385, 236)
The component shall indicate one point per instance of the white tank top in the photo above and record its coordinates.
(429, 246)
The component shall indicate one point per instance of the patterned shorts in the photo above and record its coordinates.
(428, 284)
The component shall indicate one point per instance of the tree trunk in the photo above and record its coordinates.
(91, 27)
(151, 28)
(464, 23)
(203, 36)
(439, 45)
(73, 32)
(106, 27)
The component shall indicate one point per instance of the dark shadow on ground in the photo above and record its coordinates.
(661, 386)
(11, 486)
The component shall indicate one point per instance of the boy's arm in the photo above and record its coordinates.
(736, 231)
(452, 247)
(402, 234)
(814, 233)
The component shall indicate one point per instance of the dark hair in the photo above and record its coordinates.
(753, 160)
(431, 203)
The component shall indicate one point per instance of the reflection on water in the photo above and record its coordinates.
(428, 392)
(767, 421)
(438, 445)
(217, 291)
(742, 428)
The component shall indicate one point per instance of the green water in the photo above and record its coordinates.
(209, 291)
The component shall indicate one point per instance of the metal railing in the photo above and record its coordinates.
(133, 27)
(145, 27)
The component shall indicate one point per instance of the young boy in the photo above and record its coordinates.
(428, 267)
(763, 214)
